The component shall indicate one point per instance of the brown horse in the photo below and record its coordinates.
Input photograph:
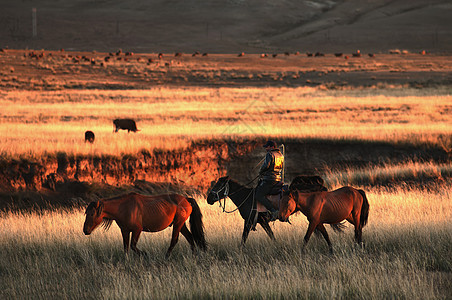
(346, 203)
(135, 213)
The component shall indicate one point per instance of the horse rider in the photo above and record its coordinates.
(270, 175)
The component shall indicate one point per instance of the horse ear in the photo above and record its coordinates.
(99, 207)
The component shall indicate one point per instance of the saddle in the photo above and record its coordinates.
(274, 196)
(278, 188)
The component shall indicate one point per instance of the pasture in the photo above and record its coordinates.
(383, 125)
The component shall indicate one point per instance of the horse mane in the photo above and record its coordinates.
(106, 223)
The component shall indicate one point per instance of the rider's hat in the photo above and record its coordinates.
(270, 144)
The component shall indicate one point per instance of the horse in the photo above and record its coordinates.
(243, 198)
(345, 203)
(135, 213)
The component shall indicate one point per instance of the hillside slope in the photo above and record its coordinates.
(227, 26)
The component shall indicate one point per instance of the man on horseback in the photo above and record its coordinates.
(270, 175)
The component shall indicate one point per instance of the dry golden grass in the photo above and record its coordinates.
(35, 122)
(407, 255)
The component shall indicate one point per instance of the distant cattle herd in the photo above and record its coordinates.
(128, 56)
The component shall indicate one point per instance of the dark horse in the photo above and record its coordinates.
(243, 198)
(135, 213)
(346, 203)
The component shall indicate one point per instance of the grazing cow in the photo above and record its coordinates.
(177, 54)
(309, 54)
(126, 124)
(89, 136)
(338, 54)
(274, 55)
(205, 54)
(371, 55)
(319, 54)
(241, 54)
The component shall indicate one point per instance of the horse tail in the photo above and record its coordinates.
(364, 209)
(196, 225)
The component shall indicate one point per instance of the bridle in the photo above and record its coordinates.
(225, 187)
(226, 194)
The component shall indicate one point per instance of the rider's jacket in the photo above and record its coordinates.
(272, 166)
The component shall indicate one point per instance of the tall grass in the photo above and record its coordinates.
(407, 256)
(388, 174)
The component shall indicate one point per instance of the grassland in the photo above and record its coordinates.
(36, 122)
(407, 256)
(380, 124)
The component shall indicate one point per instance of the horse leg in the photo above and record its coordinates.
(354, 220)
(311, 228)
(358, 229)
(187, 234)
(174, 238)
(323, 231)
(133, 244)
(358, 235)
(125, 239)
(246, 231)
(267, 229)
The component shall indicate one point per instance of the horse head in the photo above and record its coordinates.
(287, 206)
(218, 190)
(94, 216)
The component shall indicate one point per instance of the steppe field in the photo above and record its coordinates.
(382, 124)
(358, 92)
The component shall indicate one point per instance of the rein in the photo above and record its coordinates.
(238, 206)
(226, 194)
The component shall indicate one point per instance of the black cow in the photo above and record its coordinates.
(89, 136)
(126, 124)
